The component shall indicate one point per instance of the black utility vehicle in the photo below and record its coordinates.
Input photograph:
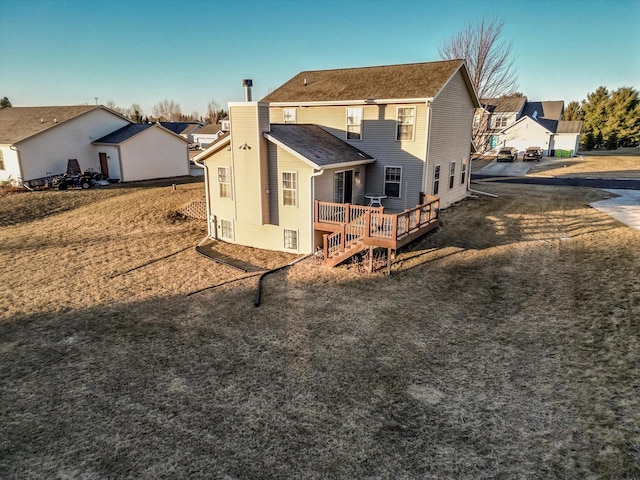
(532, 153)
(508, 154)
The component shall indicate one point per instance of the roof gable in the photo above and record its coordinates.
(129, 131)
(19, 123)
(315, 146)
(574, 126)
(548, 127)
(550, 110)
(408, 81)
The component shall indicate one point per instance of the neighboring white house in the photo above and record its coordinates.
(541, 126)
(206, 135)
(39, 141)
(143, 151)
(495, 115)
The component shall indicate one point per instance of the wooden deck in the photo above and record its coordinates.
(353, 228)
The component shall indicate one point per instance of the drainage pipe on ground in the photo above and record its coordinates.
(256, 302)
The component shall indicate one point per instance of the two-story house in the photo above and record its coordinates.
(343, 159)
(494, 116)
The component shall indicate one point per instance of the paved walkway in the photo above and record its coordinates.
(624, 208)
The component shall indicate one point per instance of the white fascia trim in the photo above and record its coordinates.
(338, 103)
(248, 104)
(355, 163)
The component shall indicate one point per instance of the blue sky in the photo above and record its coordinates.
(68, 52)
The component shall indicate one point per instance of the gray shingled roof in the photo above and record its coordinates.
(124, 133)
(551, 110)
(574, 126)
(210, 128)
(316, 145)
(503, 104)
(180, 127)
(415, 80)
(20, 123)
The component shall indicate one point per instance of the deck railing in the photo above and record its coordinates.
(370, 226)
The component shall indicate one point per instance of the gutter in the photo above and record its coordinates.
(312, 182)
(208, 195)
(20, 172)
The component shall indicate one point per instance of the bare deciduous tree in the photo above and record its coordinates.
(490, 65)
(489, 59)
(134, 112)
(214, 112)
(167, 111)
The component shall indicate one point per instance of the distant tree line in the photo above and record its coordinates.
(169, 111)
(611, 119)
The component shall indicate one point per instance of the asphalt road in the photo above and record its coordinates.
(605, 183)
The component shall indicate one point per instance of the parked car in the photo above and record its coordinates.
(507, 154)
(532, 153)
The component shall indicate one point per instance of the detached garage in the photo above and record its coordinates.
(142, 152)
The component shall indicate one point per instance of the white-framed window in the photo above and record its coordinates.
(392, 181)
(354, 123)
(224, 182)
(291, 239)
(289, 115)
(290, 188)
(226, 229)
(1, 161)
(452, 174)
(500, 121)
(436, 179)
(405, 123)
(463, 171)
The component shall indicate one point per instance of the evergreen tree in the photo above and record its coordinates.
(4, 102)
(589, 141)
(594, 109)
(599, 139)
(623, 115)
(573, 112)
(612, 142)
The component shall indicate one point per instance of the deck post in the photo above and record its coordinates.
(419, 212)
(325, 246)
(394, 228)
(347, 213)
(316, 211)
(342, 236)
(367, 217)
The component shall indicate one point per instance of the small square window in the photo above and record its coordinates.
(289, 115)
(226, 229)
(291, 239)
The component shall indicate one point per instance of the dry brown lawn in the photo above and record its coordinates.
(621, 163)
(504, 345)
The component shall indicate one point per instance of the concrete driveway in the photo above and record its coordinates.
(513, 169)
(624, 208)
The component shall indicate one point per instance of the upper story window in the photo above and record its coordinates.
(354, 123)
(500, 121)
(405, 123)
(289, 115)
(290, 188)
(224, 182)
(392, 181)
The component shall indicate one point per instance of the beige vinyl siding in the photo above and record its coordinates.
(220, 207)
(379, 141)
(249, 178)
(452, 116)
